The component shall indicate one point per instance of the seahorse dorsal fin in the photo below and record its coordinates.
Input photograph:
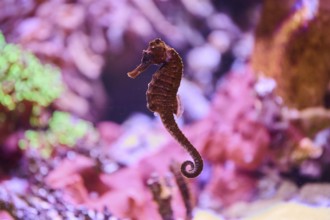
(179, 109)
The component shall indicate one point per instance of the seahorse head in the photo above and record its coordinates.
(156, 51)
(154, 54)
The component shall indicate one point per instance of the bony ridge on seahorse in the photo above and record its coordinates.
(162, 96)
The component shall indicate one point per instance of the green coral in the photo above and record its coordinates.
(68, 129)
(64, 130)
(27, 87)
(24, 78)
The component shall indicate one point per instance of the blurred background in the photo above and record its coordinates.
(78, 142)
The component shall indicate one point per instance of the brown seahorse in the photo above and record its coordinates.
(162, 96)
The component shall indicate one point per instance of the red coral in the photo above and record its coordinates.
(229, 185)
(236, 132)
(123, 191)
(109, 131)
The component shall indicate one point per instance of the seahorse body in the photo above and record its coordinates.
(162, 96)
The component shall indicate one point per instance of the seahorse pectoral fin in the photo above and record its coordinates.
(179, 108)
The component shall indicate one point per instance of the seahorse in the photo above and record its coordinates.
(162, 96)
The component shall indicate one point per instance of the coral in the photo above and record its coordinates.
(236, 132)
(64, 130)
(27, 88)
(227, 186)
(298, 138)
(76, 177)
(34, 199)
(24, 78)
(292, 46)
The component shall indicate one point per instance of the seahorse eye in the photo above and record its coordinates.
(147, 56)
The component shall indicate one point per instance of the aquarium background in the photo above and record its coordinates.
(77, 140)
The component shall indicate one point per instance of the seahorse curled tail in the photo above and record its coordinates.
(196, 166)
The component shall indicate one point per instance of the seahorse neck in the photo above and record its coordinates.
(172, 69)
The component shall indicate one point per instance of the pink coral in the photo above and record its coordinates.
(229, 185)
(123, 192)
(237, 134)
